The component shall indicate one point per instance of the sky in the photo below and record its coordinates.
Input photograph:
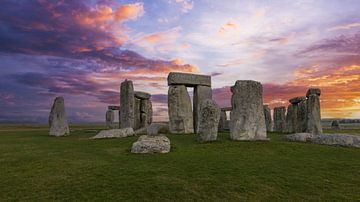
(82, 50)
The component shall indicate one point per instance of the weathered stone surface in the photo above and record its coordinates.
(141, 131)
(301, 122)
(146, 112)
(268, 120)
(279, 119)
(208, 120)
(137, 114)
(111, 107)
(327, 139)
(297, 100)
(247, 121)
(201, 93)
(57, 119)
(189, 80)
(157, 128)
(142, 95)
(291, 118)
(335, 125)
(180, 110)
(151, 144)
(109, 117)
(313, 91)
(223, 119)
(127, 101)
(313, 115)
(115, 133)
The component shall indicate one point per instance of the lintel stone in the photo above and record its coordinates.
(189, 80)
(142, 95)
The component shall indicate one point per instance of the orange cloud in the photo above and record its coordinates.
(226, 27)
(129, 11)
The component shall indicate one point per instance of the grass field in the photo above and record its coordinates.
(36, 167)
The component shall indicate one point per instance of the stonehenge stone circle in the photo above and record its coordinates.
(57, 119)
(247, 121)
(335, 125)
(109, 118)
(180, 110)
(127, 100)
(279, 119)
(114, 133)
(313, 114)
(268, 120)
(208, 121)
(151, 144)
(202, 91)
(291, 118)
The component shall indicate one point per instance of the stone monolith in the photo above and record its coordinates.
(208, 120)
(268, 120)
(279, 119)
(301, 122)
(57, 119)
(313, 115)
(127, 104)
(291, 118)
(109, 117)
(201, 93)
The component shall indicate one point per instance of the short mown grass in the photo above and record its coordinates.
(36, 167)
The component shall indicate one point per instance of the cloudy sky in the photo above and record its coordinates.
(84, 49)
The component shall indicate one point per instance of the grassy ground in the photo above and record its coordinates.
(36, 167)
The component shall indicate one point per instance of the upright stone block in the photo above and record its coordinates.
(109, 117)
(313, 115)
(137, 114)
(180, 110)
(335, 125)
(190, 80)
(208, 120)
(127, 104)
(146, 112)
(247, 120)
(291, 118)
(279, 119)
(201, 93)
(268, 120)
(222, 121)
(57, 119)
(301, 117)
(313, 91)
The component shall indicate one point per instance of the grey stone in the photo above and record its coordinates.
(157, 128)
(247, 120)
(301, 122)
(189, 80)
(208, 121)
(115, 133)
(313, 91)
(180, 110)
(127, 101)
(142, 95)
(223, 119)
(297, 100)
(268, 120)
(141, 131)
(151, 144)
(327, 139)
(146, 112)
(279, 119)
(335, 125)
(313, 115)
(57, 119)
(300, 137)
(109, 117)
(201, 93)
(137, 114)
(291, 119)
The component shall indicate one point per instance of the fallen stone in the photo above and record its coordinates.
(57, 119)
(297, 100)
(313, 91)
(189, 80)
(151, 144)
(267, 115)
(327, 139)
(313, 115)
(142, 95)
(114, 133)
(157, 128)
(279, 119)
(247, 120)
(201, 93)
(127, 100)
(180, 110)
(300, 137)
(208, 120)
(335, 125)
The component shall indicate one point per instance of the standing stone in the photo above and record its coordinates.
(247, 120)
(223, 119)
(313, 91)
(146, 112)
(279, 119)
(291, 118)
(57, 119)
(301, 122)
(335, 125)
(109, 118)
(180, 110)
(201, 93)
(137, 114)
(313, 115)
(268, 121)
(208, 120)
(127, 102)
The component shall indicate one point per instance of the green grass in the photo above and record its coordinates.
(36, 167)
